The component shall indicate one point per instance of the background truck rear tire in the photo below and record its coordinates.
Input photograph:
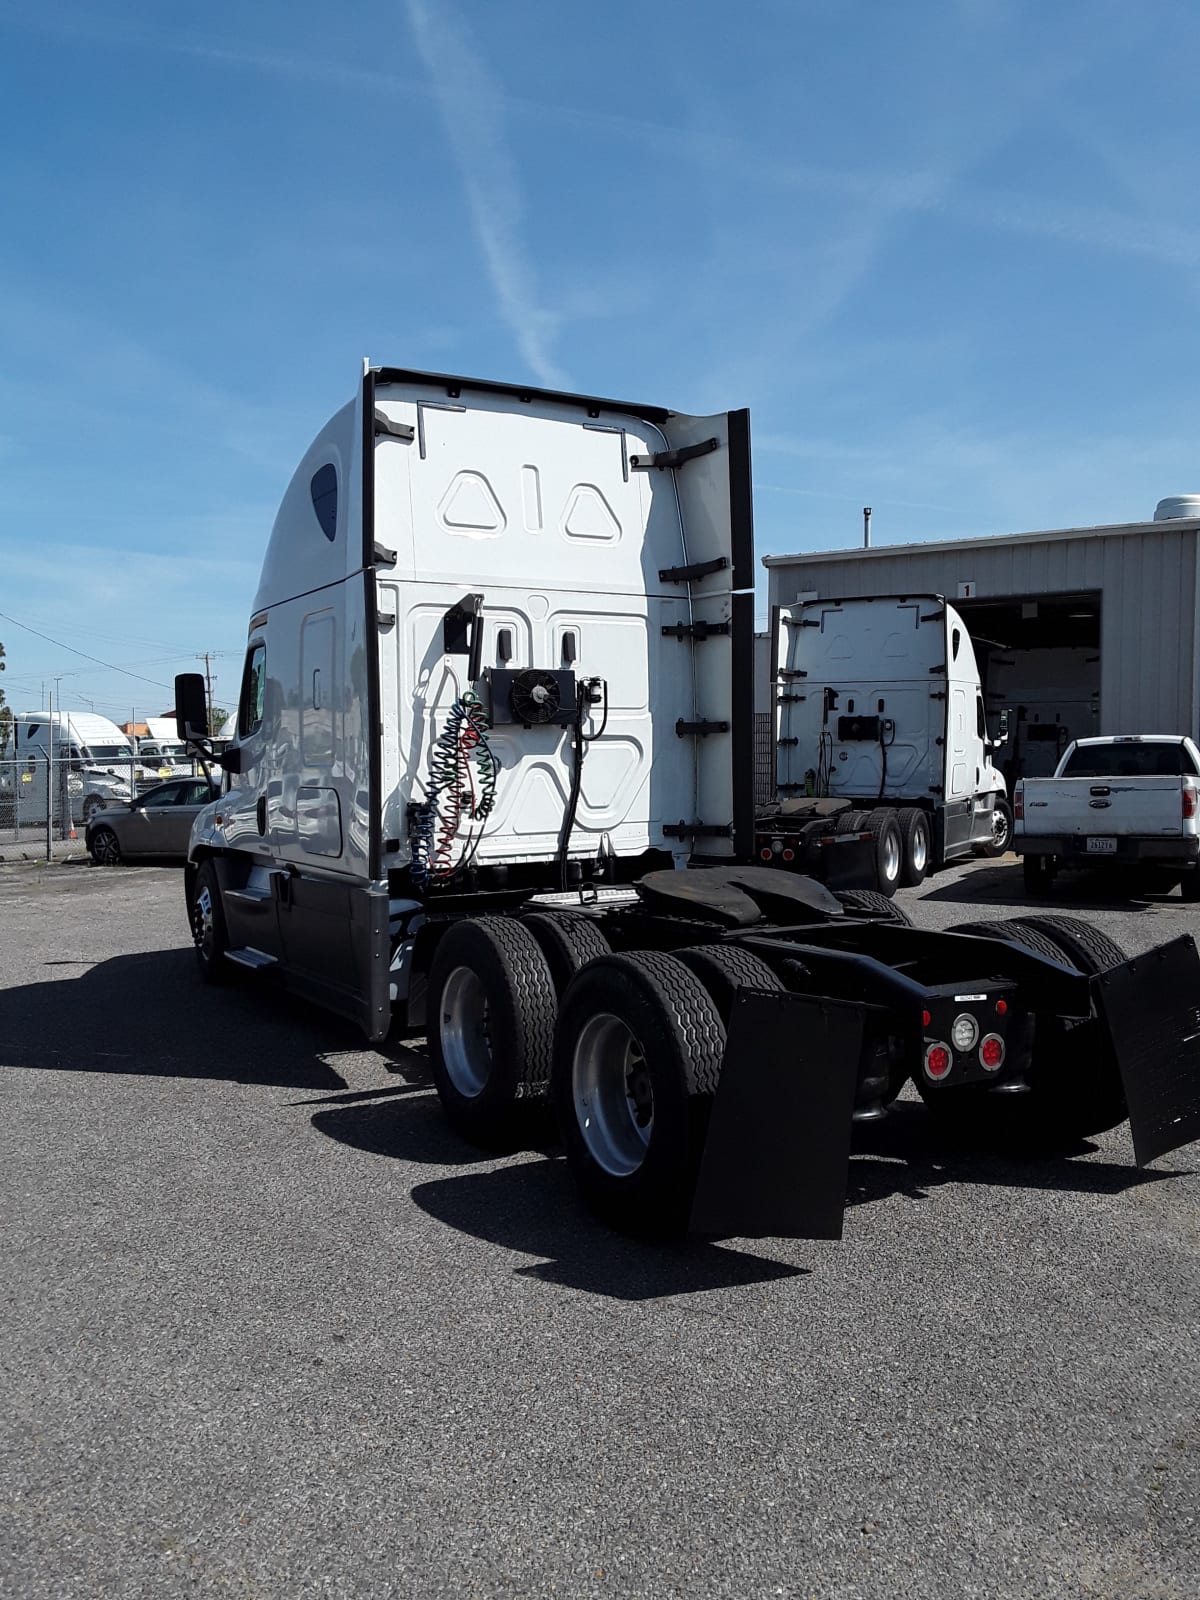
(851, 822)
(209, 934)
(1039, 875)
(723, 969)
(568, 941)
(875, 904)
(889, 850)
(491, 1013)
(1189, 886)
(637, 1059)
(917, 839)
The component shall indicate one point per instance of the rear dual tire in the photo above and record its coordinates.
(637, 1060)
(491, 1012)
(884, 827)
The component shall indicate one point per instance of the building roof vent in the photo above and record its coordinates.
(1177, 505)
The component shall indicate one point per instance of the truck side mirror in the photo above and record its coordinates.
(191, 706)
(1003, 728)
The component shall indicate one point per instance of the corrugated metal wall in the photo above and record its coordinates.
(1149, 616)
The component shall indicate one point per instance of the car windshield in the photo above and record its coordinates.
(1145, 759)
(108, 752)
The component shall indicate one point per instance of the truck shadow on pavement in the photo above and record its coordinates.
(530, 1205)
(149, 1014)
(906, 1155)
(1004, 885)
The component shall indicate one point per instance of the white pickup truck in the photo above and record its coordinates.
(1124, 800)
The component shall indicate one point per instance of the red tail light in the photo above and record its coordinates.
(1019, 801)
(1189, 801)
(937, 1062)
(991, 1052)
(765, 853)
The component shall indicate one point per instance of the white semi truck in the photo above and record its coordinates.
(492, 777)
(880, 705)
(85, 757)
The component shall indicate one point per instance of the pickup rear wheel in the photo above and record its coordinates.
(1039, 873)
(637, 1059)
(491, 1027)
(1189, 885)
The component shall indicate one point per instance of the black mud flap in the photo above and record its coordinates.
(778, 1149)
(1152, 1008)
(849, 863)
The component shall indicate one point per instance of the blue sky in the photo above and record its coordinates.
(947, 252)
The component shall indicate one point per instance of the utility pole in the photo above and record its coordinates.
(208, 687)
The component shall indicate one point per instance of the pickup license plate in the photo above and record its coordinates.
(1102, 847)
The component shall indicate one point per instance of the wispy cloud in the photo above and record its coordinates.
(884, 195)
(469, 102)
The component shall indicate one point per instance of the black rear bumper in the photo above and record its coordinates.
(777, 1154)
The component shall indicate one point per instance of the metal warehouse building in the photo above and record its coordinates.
(1077, 630)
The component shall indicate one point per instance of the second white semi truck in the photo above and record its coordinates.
(879, 705)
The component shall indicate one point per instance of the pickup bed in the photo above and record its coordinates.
(1125, 800)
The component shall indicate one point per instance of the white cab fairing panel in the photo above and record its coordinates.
(538, 506)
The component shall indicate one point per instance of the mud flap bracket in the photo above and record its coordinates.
(778, 1149)
(1151, 1006)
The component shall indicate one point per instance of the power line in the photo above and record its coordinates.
(109, 665)
(86, 630)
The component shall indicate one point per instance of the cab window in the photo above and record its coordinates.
(250, 710)
(980, 719)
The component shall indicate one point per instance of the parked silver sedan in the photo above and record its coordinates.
(157, 823)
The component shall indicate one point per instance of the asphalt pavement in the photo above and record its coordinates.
(269, 1329)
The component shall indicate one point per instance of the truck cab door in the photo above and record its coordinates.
(248, 889)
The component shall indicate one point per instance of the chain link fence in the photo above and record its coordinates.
(51, 801)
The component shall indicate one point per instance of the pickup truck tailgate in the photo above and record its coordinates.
(1147, 807)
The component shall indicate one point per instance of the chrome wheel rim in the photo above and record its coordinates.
(920, 848)
(1000, 829)
(464, 1033)
(614, 1100)
(203, 925)
(891, 856)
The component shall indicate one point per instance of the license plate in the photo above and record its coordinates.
(1102, 847)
